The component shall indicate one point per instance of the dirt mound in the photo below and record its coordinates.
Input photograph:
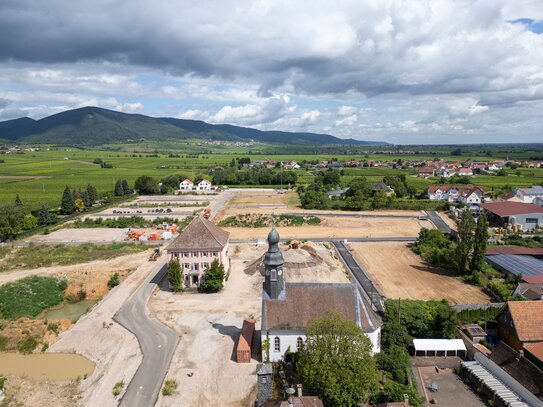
(296, 260)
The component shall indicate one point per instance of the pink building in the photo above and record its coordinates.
(196, 247)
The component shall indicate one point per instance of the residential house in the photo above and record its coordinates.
(204, 185)
(287, 307)
(525, 216)
(186, 185)
(465, 172)
(383, 187)
(470, 195)
(425, 172)
(291, 165)
(528, 195)
(520, 323)
(196, 247)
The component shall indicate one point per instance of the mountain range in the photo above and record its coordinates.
(95, 126)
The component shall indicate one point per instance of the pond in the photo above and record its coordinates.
(46, 366)
(71, 311)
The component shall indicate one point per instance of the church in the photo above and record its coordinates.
(287, 307)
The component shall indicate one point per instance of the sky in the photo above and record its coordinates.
(404, 72)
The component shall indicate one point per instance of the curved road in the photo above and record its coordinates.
(157, 343)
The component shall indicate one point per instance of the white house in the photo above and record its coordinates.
(204, 185)
(528, 195)
(292, 165)
(470, 195)
(186, 185)
(288, 307)
(465, 172)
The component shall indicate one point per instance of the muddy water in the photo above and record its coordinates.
(46, 366)
(69, 311)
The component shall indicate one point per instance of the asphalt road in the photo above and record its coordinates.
(361, 277)
(439, 223)
(157, 343)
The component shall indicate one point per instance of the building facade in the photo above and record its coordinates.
(197, 247)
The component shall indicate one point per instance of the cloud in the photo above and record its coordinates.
(354, 68)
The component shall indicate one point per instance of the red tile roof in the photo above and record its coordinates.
(533, 279)
(463, 189)
(535, 349)
(200, 234)
(528, 319)
(511, 208)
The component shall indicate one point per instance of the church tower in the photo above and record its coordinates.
(274, 283)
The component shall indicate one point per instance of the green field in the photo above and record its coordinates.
(40, 177)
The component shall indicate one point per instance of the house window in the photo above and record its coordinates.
(299, 342)
(215, 254)
(531, 220)
(186, 254)
(205, 266)
(274, 275)
(277, 344)
(187, 266)
(195, 266)
(194, 254)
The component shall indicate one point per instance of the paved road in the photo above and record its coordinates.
(336, 239)
(157, 343)
(373, 293)
(439, 223)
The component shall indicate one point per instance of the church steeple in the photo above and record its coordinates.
(274, 283)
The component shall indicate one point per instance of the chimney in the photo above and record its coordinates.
(299, 390)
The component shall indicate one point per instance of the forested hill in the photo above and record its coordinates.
(95, 126)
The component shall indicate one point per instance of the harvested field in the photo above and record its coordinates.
(257, 198)
(340, 227)
(400, 273)
(210, 324)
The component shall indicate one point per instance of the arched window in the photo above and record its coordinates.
(299, 342)
(277, 344)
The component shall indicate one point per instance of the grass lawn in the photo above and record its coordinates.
(35, 256)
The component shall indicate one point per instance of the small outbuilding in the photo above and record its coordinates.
(439, 347)
(245, 342)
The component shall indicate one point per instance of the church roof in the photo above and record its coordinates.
(304, 301)
(200, 234)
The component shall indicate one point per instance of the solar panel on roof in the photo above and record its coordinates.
(517, 264)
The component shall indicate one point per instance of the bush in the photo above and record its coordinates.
(81, 294)
(62, 284)
(3, 343)
(113, 281)
(28, 344)
(28, 297)
(118, 388)
(2, 382)
(170, 386)
(53, 328)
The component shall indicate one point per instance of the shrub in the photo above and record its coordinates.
(113, 281)
(2, 382)
(3, 343)
(118, 388)
(81, 294)
(62, 284)
(28, 344)
(169, 388)
(53, 328)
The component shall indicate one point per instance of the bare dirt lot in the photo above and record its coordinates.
(340, 227)
(209, 324)
(83, 235)
(400, 273)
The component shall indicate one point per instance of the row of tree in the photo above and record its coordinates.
(252, 176)
(77, 200)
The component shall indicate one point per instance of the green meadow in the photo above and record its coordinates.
(40, 177)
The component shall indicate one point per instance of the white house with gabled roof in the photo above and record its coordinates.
(186, 185)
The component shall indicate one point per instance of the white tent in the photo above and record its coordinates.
(438, 347)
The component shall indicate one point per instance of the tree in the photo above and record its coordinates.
(395, 360)
(126, 188)
(86, 199)
(213, 278)
(119, 190)
(29, 222)
(336, 359)
(464, 248)
(79, 205)
(18, 202)
(314, 200)
(146, 185)
(175, 275)
(479, 244)
(11, 221)
(44, 217)
(380, 200)
(67, 206)
(93, 195)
